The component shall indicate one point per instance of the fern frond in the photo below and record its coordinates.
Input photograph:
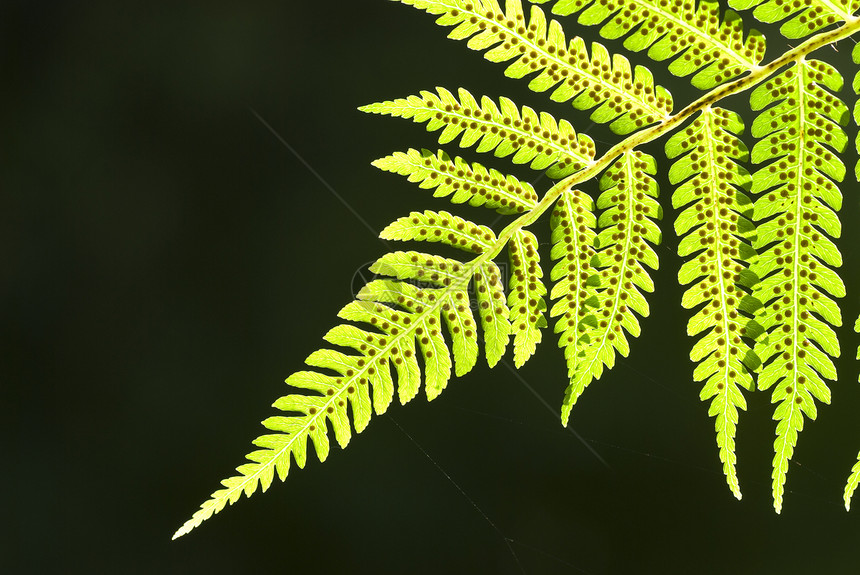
(623, 96)
(805, 17)
(798, 128)
(703, 41)
(714, 225)
(626, 226)
(398, 314)
(532, 137)
(473, 183)
(600, 275)
(526, 296)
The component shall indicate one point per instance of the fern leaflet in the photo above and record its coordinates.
(851, 486)
(574, 287)
(526, 296)
(712, 225)
(456, 178)
(441, 227)
(529, 136)
(626, 225)
(798, 201)
(493, 311)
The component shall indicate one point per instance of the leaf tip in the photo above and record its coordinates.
(184, 530)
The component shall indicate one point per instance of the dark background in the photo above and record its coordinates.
(165, 262)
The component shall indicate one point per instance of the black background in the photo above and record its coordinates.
(165, 262)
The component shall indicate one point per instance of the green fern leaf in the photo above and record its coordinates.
(805, 17)
(532, 137)
(797, 203)
(855, 55)
(626, 98)
(851, 486)
(493, 311)
(857, 329)
(702, 41)
(441, 227)
(475, 184)
(526, 296)
(626, 226)
(573, 237)
(713, 226)
(401, 314)
(854, 477)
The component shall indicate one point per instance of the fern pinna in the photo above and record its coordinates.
(757, 223)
